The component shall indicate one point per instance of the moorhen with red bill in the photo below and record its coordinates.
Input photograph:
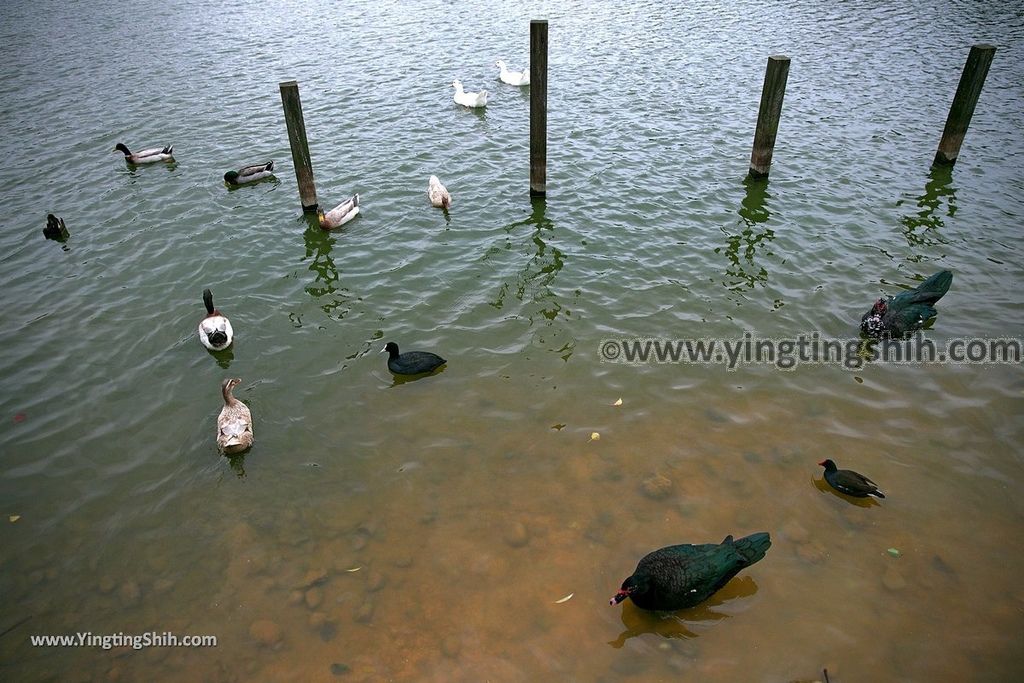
(681, 576)
(849, 482)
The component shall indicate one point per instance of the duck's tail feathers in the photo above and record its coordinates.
(270, 165)
(445, 201)
(169, 149)
(934, 288)
(752, 547)
(877, 493)
(355, 200)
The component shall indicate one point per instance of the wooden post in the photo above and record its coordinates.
(300, 148)
(962, 109)
(538, 107)
(775, 77)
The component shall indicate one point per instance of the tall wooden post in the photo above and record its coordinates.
(300, 148)
(962, 109)
(538, 107)
(775, 77)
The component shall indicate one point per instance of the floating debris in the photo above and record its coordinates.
(894, 552)
(354, 569)
(594, 436)
(13, 518)
(558, 427)
(567, 598)
(618, 403)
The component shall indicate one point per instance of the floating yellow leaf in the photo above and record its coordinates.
(618, 403)
(565, 599)
(594, 436)
(354, 569)
(14, 518)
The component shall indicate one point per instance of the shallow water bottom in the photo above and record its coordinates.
(437, 550)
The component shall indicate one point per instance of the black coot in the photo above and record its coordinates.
(411, 362)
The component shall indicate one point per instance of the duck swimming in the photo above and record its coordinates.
(249, 174)
(895, 317)
(234, 424)
(339, 215)
(146, 156)
(513, 77)
(215, 331)
(55, 228)
(472, 100)
(438, 193)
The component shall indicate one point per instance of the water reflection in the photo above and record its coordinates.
(398, 380)
(270, 180)
(677, 624)
(237, 464)
(920, 229)
(534, 283)
(741, 248)
(223, 357)
(334, 300)
(823, 486)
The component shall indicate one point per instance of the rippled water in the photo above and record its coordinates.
(473, 500)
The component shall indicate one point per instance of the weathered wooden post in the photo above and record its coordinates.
(775, 77)
(538, 107)
(962, 109)
(300, 148)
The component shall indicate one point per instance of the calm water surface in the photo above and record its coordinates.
(470, 502)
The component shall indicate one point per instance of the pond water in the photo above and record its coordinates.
(425, 530)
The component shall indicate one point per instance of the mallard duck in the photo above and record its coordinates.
(234, 424)
(146, 156)
(513, 77)
(438, 193)
(55, 228)
(469, 99)
(339, 215)
(249, 174)
(215, 329)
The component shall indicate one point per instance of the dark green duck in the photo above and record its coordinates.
(681, 576)
(897, 316)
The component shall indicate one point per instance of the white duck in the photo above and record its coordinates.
(234, 424)
(146, 156)
(438, 193)
(215, 331)
(250, 174)
(469, 99)
(513, 77)
(340, 214)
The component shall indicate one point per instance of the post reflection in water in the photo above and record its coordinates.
(533, 285)
(743, 272)
(333, 299)
(921, 228)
